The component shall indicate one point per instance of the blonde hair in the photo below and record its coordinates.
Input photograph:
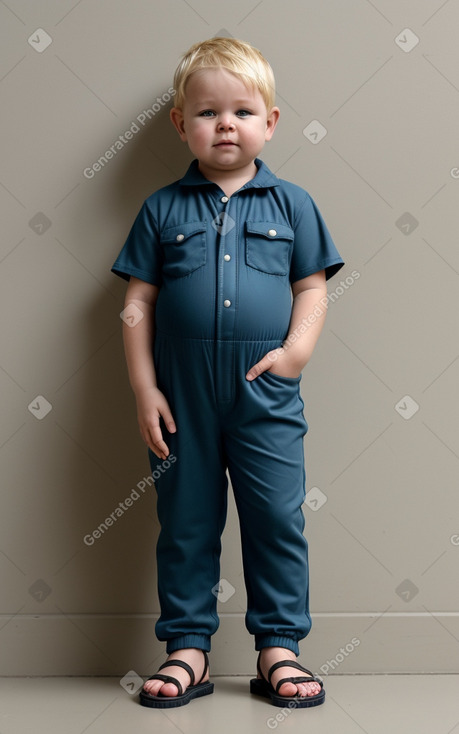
(236, 56)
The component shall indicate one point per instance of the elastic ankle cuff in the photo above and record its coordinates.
(202, 642)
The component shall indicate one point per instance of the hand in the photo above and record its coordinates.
(276, 361)
(151, 405)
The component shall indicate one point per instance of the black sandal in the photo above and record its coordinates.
(193, 691)
(263, 687)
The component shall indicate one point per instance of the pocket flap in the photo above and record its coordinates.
(270, 230)
(181, 232)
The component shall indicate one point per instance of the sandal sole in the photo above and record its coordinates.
(170, 702)
(261, 688)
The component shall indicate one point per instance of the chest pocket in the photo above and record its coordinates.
(184, 247)
(268, 247)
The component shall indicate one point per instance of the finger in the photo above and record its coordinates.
(161, 449)
(157, 441)
(261, 366)
(152, 436)
(168, 419)
(149, 441)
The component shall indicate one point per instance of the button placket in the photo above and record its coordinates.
(226, 302)
(226, 287)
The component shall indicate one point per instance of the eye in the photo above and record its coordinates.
(207, 113)
(243, 113)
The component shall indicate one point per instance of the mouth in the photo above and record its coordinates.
(224, 144)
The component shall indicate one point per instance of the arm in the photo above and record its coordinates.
(138, 347)
(306, 323)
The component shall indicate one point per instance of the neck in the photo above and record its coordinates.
(230, 181)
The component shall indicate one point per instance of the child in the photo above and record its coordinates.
(215, 349)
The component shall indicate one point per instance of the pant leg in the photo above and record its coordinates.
(191, 498)
(266, 463)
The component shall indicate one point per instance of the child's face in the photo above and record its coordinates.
(224, 122)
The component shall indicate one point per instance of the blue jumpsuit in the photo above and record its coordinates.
(224, 267)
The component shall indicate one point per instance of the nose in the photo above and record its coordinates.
(225, 123)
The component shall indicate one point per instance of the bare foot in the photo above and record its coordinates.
(195, 659)
(271, 655)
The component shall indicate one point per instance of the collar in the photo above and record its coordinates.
(264, 178)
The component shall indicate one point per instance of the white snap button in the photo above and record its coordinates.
(227, 304)
(272, 232)
(227, 258)
(180, 237)
(224, 199)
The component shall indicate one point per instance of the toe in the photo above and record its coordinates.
(311, 689)
(299, 689)
(288, 689)
(302, 690)
(154, 687)
(169, 689)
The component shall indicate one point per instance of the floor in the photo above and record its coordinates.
(368, 704)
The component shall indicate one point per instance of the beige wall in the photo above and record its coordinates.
(384, 546)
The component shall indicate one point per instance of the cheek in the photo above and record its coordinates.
(199, 133)
(255, 133)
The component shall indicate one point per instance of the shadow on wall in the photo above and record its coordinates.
(155, 155)
(112, 576)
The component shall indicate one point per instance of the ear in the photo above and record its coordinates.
(177, 120)
(271, 122)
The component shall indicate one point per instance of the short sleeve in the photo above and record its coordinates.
(141, 255)
(314, 249)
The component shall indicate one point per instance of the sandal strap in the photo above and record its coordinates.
(188, 668)
(168, 679)
(311, 678)
(180, 664)
(206, 665)
(288, 664)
